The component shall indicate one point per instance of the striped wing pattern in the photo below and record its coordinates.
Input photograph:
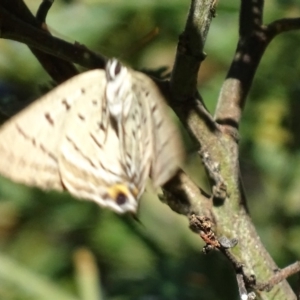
(99, 136)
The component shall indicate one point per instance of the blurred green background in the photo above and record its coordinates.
(55, 247)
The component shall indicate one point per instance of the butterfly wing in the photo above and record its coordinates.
(29, 141)
(166, 146)
(74, 139)
(90, 154)
(138, 141)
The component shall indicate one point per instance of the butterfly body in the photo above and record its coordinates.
(99, 136)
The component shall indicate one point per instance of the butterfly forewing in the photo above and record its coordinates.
(29, 141)
(99, 135)
(90, 147)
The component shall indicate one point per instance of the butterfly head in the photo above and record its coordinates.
(118, 89)
(121, 199)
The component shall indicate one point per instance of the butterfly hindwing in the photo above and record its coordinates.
(167, 149)
(141, 133)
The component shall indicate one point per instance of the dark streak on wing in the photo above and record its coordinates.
(159, 124)
(128, 155)
(50, 154)
(66, 104)
(33, 141)
(81, 117)
(101, 126)
(153, 108)
(162, 146)
(134, 133)
(49, 118)
(88, 160)
(96, 142)
(105, 197)
(114, 125)
(110, 171)
(78, 150)
(117, 91)
(143, 169)
(128, 161)
(82, 90)
(62, 183)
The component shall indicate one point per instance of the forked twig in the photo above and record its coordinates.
(56, 56)
(203, 226)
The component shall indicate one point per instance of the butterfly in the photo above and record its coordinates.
(99, 136)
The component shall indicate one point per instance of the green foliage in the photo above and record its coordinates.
(42, 235)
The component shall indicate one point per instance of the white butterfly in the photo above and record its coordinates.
(99, 136)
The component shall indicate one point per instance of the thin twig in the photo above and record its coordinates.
(283, 25)
(279, 276)
(15, 19)
(43, 44)
(251, 46)
(190, 53)
(43, 10)
(253, 40)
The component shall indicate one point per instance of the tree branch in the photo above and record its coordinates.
(251, 46)
(220, 142)
(254, 39)
(283, 25)
(15, 18)
(217, 136)
(185, 197)
(55, 55)
(190, 53)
